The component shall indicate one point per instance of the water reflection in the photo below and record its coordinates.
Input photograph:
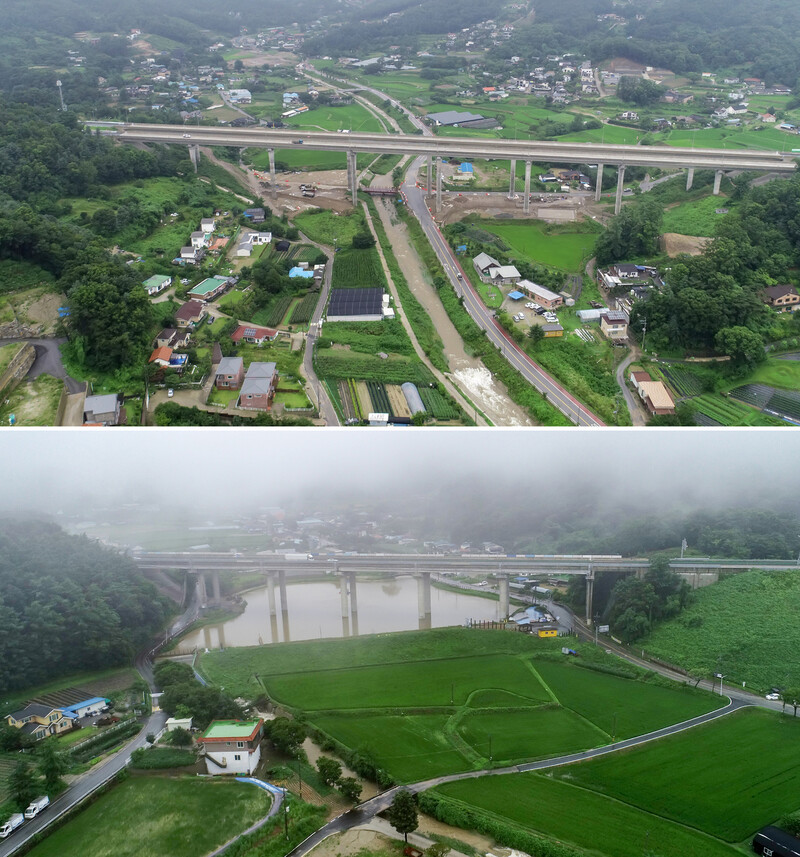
(342, 607)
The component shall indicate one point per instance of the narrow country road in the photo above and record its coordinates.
(637, 416)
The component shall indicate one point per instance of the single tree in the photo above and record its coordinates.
(22, 784)
(402, 814)
(330, 770)
(52, 766)
(181, 737)
(536, 335)
(350, 789)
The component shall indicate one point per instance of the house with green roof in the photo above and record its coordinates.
(157, 283)
(232, 746)
(209, 289)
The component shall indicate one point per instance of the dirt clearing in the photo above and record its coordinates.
(675, 244)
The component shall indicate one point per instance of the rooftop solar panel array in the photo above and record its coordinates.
(356, 302)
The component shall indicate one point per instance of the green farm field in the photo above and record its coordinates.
(417, 684)
(777, 373)
(716, 632)
(180, 817)
(326, 227)
(582, 818)
(563, 247)
(352, 117)
(727, 778)
(454, 696)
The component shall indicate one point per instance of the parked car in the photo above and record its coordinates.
(170, 393)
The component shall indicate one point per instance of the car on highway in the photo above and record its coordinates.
(773, 697)
(187, 135)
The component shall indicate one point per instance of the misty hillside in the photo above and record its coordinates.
(67, 604)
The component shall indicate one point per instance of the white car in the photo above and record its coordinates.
(170, 393)
(187, 135)
(773, 697)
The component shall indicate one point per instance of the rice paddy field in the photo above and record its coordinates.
(422, 711)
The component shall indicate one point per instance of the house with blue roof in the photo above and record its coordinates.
(87, 708)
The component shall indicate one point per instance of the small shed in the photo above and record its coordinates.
(413, 398)
(178, 723)
(776, 842)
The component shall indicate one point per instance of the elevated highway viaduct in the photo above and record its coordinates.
(697, 571)
(435, 148)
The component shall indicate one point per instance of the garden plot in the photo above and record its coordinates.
(397, 402)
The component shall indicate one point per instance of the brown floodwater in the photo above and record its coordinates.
(315, 611)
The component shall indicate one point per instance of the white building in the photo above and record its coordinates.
(232, 746)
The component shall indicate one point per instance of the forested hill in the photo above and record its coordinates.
(68, 604)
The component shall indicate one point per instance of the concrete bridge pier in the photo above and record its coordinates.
(345, 605)
(526, 202)
(194, 154)
(503, 589)
(438, 184)
(273, 180)
(598, 185)
(512, 190)
(717, 182)
(282, 588)
(207, 637)
(689, 178)
(273, 610)
(221, 635)
(589, 596)
(352, 175)
(430, 174)
(351, 580)
(215, 589)
(620, 184)
(424, 594)
(201, 590)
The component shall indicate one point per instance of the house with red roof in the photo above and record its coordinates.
(254, 335)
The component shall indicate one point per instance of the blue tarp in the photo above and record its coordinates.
(515, 296)
(301, 272)
(466, 168)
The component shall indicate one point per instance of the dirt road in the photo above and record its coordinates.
(468, 373)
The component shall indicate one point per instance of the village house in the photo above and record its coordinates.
(782, 298)
(248, 239)
(614, 324)
(544, 297)
(258, 387)
(189, 314)
(504, 275)
(656, 397)
(101, 410)
(40, 721)
(232, 746)
(157, 283)
(254, 335)
(483, 262)
(230, 373)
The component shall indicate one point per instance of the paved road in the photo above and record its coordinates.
(568, 405)
(324, 404)
(48, 362)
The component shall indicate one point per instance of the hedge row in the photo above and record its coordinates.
(104, 741)
(503, 832)
(361, 764)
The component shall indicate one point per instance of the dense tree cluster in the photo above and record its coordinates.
(67, 604)
(638, 90)
(184, 696)
(713, 301)
(634, 232)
